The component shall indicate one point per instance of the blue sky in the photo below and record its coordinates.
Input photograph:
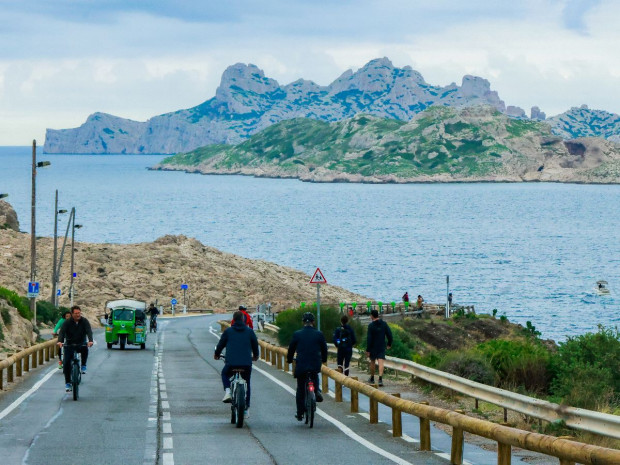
(63, 60)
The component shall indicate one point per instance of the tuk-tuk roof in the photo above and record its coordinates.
(126, 303)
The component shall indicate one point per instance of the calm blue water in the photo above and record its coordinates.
(532, 251)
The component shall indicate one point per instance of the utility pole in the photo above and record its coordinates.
(33, 239)
(54, 277)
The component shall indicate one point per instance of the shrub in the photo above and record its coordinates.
(47, 313)
(20, 303)
(6, 316)
(518, 363)
(587, 369)
(289, 321)
(470, 365)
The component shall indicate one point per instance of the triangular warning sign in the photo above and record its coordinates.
(318, 278)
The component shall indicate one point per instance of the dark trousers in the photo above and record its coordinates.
(247, 374)
(68, 356)
(344, 359)
(300, 395)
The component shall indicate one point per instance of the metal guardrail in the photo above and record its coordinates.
(577, 418)
(18, 364)
(567, 451)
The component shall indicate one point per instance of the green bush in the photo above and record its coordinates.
(6, 316)
(470, 365)
(518, 363)
(20, 303)
(587, 370)
(289, 321)
(47, 313)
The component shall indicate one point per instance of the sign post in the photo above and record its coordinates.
(184, 287)
(173, 302)
(318, 279)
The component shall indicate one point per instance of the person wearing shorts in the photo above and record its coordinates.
(378, 332)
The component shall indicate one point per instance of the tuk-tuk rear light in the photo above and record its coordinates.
(108, 329)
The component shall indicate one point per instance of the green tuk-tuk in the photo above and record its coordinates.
(125, 323)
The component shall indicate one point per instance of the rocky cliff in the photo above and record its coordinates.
(247, 101)
(155, 270)
(8, 217)
(585, 122)
(440, 144)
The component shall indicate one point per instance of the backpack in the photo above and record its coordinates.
(342, 338)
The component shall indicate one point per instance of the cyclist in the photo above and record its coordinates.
(74, 330)
(153, 312)
(65, 316)
(241, 350)
(247, 319)
(311, 348)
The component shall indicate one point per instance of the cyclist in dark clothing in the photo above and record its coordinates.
(241, 349)
(153, 312)
(74, 330)
(311, 349)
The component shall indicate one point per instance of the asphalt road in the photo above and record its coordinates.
(163, 406)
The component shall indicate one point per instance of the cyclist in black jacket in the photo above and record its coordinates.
(311, 351)
(75, 330)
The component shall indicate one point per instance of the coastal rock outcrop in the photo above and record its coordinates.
(8, 217)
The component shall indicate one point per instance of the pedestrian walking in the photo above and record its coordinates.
(378, 332)
(344, 339)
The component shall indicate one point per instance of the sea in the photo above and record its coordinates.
(530, 251)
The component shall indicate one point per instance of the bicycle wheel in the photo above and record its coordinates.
(239, 401)
(312, 408)
(75, 380)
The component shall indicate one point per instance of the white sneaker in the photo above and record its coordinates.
(246, 414)
(227, 398)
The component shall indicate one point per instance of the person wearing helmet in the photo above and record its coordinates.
(311, 348)
(247, 319)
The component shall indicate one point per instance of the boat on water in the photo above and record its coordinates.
(601, 288)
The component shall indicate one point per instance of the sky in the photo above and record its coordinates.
(63, 60)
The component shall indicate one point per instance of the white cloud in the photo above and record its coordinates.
(137, 59)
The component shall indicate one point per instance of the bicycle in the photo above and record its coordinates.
(153, 324)
(310, 399)
(238, 389)
(76, 369)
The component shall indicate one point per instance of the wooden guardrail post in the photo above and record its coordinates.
(35, 360)
(504, 454)
(18, 367)
(279, 361)
(425, 432)
(338, 391)
(273, 357)
(373, 410)
(284, 364)
(26, 363)
(397, 420)
(355, 404)
(9, 374)
(1, 379)
(40, 351)
(456, 452)
(564, 461)
(324, 382)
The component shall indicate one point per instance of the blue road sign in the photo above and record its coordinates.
(58, 292)
(173, 301)
(183, 286)
(75, 275)
(33, 289)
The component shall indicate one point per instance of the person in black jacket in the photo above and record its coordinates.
(344, 339)
(74, 330)
(241, 350)
(311, 348)
(378, 331)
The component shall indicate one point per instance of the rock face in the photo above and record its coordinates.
(8, 217)
(536, 114)
(15, 331)
(154, 271)
(246, 102)
(440, 144)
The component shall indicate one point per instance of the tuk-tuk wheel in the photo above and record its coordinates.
(109, 345)
(142, 346)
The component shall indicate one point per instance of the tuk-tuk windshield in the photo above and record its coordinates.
(123, 314)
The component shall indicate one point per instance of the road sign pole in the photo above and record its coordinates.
(447, 296)
(318, 306)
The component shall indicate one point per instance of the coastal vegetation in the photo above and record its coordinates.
(438, 144)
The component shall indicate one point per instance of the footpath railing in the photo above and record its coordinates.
(22, 362)
(568, 452)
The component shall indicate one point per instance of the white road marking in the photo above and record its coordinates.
(28, 393)
(341, 426)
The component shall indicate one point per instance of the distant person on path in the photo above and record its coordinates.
(378, 331)
(241, 350)
(406, 297)
(419, 305)
(311, 348)
(450, 298)
(247, 319)
(65, 316)
(344, 339)
(74, 330)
